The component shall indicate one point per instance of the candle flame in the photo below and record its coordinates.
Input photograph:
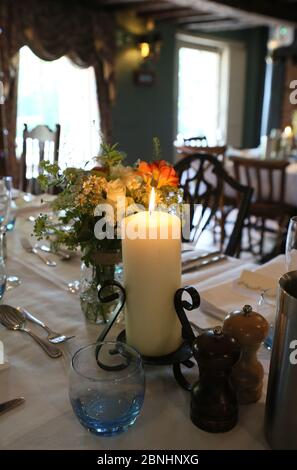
(152, 203)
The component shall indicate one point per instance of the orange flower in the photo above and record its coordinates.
(160, 173)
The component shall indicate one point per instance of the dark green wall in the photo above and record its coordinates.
(140, 113)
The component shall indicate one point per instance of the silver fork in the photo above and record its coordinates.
(52, 337)
(12, 319)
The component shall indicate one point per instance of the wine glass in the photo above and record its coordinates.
(2, 278)
(291, 263)
(291, 245)
(5, 206)
(5, 197)
(11, 216)
(267, 308)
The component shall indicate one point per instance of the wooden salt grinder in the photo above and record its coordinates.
(250, 329)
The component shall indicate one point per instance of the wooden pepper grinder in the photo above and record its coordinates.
(213, 400)
(250, 329)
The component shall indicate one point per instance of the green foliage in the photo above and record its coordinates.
(40, 226)
(110, 156)
(157, 152)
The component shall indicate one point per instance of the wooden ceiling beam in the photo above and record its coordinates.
(137, 5)
(249, 11)
(253, 12)
(276, 9)
(149, 6)
(116, 3)
(200, 18)
(168, 14)
(217, 25)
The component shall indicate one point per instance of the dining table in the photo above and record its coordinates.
(46, 419)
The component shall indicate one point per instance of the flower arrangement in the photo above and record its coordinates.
(83, 191)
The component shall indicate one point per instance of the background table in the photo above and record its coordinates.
(46, 420)
(291, 172)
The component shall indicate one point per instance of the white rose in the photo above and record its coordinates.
(133, 182)
(115, 190)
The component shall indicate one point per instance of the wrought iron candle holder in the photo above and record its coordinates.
(183, 356)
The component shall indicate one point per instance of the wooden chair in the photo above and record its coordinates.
(199, 141)
(41, 143)
(217, 150)
(203, 180)
(268, 179)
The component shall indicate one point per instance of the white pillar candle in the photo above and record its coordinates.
(152, 273)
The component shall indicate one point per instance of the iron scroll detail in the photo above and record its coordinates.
(178, 358)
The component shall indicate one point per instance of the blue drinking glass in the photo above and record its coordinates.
(106, 387)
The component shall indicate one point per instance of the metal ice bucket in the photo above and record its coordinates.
(281, 402)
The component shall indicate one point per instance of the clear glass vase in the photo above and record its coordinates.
(92, 278)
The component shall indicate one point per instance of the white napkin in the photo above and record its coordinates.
(223, 298)
(258, 282)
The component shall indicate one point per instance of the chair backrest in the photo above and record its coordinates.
(204, 181)
(199, 141)
(217, 151)
(267, 177)
(38, 144)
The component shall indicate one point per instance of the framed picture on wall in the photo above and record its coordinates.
(144, 77)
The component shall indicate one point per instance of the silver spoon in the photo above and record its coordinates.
(12, 319)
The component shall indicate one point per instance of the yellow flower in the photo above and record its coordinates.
(81, 199)
(94, 184)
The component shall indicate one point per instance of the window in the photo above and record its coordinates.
(59, 92)
(199, 93)
(211, 89)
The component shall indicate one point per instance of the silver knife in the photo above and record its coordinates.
(9, 405)
(202, 264)
(31, 249)
(200, 257)
(62, 254)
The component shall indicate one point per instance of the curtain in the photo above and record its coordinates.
(53, 29)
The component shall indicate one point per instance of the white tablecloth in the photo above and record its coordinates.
(46, 420)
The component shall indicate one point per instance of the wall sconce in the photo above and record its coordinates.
(144, 49)
(147, 43)
(149, 46)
